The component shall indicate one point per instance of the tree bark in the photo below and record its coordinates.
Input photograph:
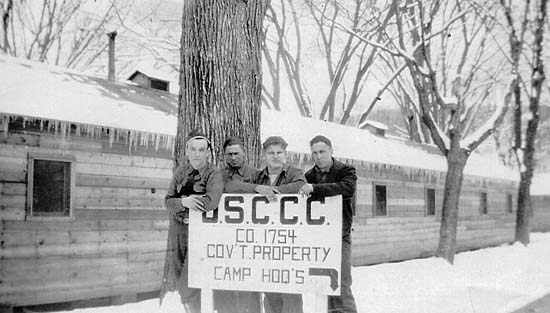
(456, 161)
(220, 80)
(524, 210)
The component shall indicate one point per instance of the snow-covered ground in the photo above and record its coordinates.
(499, 279)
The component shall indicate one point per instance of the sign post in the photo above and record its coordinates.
(292, 245)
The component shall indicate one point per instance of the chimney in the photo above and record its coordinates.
(111, 69)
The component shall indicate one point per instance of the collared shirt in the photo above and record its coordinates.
(340, 179)
(207, 181)
(290, 180)
(245, 173)
(241, 180)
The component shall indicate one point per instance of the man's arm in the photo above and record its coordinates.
(237, 186)
(346, 187)
(297, 180)
(214, 190)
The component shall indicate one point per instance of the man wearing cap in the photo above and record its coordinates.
(276, 178)
(229, 301)
(279, 177)
(196, 185)
(330, 177)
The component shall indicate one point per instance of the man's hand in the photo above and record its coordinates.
(306, 190)
(269, 192)
(193, 202)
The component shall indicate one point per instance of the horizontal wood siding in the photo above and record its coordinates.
(100, 253)
(115, 243)
(392, 239)
(541, 213)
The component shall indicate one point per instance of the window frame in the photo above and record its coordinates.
(426, 200)
(30, 185)
(374, 198)
(483, 210)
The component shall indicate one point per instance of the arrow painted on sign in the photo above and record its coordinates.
(330, 272)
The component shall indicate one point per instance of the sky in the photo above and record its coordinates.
(492, 280)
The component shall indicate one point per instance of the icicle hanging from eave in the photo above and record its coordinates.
(63, 129)
(4, 124)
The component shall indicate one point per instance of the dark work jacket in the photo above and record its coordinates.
(235, 179)
(207, 181)
(341, 180)
(290, 180)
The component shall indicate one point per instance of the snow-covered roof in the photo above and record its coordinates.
(37, 90)
(541, 184)
(40, 91)
(354, 143)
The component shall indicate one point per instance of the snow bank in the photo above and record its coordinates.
(497, 280)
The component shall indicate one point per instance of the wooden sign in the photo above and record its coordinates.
(292, 245)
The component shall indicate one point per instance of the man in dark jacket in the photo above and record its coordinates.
(196, 185)
(330, 177)
(229, 301)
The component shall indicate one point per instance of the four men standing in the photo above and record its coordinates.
(198, 185)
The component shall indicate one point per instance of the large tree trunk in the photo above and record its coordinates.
(523, 211)
(220, 79)
(456, 161)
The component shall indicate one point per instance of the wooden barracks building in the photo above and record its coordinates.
(85, 164)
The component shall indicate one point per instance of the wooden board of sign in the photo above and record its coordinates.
(292, 245)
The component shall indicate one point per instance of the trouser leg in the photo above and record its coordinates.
(189, 296)
(283, 303)
(228, 301)
(345, 303)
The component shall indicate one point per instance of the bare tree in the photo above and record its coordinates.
(530, 23)
(342, 26)
(280, 55)
(448, 97)
(62, 32)
(6, 11)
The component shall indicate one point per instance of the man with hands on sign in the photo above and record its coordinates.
(330, 177)
(196, 185)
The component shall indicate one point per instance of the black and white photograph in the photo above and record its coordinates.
(274, 156)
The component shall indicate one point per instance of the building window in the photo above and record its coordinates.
(50, 185)
(509, 203)
(483, 203)
(430, 201)
(159, 84)
(380, 203)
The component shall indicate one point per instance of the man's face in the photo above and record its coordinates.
(234, 156)
(322, 155)
(197, 151)
(275, 156)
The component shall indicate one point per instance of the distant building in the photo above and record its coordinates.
(150, 80)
